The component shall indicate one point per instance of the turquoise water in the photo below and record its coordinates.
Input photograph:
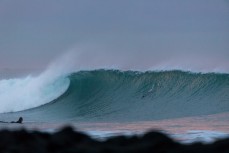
(129, 96)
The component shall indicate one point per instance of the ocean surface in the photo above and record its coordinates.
(189, 106)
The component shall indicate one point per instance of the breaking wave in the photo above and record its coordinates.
(108, 95)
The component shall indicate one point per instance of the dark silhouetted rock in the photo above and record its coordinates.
(69, 141)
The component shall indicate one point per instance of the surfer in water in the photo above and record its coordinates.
(20, 120)
(148, 92)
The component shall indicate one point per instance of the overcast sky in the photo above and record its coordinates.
(129, 33)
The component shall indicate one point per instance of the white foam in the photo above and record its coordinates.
(203, 136)
(102, 135)
(24, 93)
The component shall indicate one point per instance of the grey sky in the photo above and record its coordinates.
(128, 33)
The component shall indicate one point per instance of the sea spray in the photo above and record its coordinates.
(92, 57)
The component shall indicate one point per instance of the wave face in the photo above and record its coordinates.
(112, 95)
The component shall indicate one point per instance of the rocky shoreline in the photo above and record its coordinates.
(69, 141)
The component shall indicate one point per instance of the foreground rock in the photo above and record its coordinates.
(68, 141)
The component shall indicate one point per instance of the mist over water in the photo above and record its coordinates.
(91, 58)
